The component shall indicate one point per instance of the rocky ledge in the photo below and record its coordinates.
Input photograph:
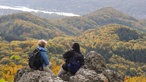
(94, 70)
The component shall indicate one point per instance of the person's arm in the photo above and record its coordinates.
(45, 58)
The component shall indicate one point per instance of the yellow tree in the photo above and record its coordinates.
(9, 71)
(56, 67)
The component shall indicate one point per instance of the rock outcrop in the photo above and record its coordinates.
(94, 70)
(28, 75)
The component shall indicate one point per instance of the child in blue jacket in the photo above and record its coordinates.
(46, 64)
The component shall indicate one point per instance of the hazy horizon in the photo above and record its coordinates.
(81, 7)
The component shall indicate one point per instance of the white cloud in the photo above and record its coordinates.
(26, 9)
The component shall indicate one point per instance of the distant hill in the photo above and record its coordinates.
(24, 26)
(105, 16)
(116, 32)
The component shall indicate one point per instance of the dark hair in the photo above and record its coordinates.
(76, 47)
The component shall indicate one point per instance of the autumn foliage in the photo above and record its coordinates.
(56, 67)
(125, 55)
(135, 79)
(8, 71)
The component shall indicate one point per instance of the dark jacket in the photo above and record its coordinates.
(68, 55)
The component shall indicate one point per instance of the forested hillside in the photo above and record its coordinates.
(105, 16)
(119, 38)
(25, 26)
(121, 53)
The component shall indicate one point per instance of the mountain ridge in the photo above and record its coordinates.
(71, 26)
(105, 16)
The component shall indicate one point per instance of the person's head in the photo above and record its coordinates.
(76, 47)
(42, 43)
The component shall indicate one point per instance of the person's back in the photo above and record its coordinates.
(73, 60)
(35, 60)
(44, 56)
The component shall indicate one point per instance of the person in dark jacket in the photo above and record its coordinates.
(68, 56)
(46, 63)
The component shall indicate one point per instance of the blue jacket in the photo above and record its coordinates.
(44, 56)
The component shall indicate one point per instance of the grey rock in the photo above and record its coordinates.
(94, 70)
(94, 61)
(86, 75)
(28, 75)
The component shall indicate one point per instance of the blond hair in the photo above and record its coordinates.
(42, 43)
